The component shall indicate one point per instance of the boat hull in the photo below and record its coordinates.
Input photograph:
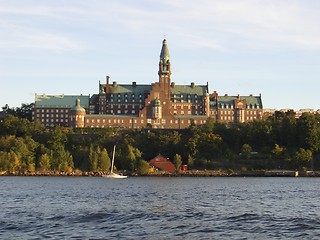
(114, 176)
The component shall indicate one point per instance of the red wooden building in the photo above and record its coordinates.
(162, 163)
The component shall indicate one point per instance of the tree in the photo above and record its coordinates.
(177, 161)
(93, 158)
(246, 151)
(308, 132)
(61, 160)
(143, 167)
(303, 158)
(104, 162)
(278, 151)
(25, 111)
(190, 161)
(57, 137)
(44, 162)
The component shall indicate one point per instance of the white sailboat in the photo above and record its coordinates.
(112, 174)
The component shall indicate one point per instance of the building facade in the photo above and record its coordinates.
(52, 110)
(162, 104)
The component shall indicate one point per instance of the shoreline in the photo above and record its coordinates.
(191, 173)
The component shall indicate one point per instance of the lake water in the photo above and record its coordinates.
(159, 208)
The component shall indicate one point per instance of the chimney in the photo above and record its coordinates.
(107, 84)
(192, 85)
(115, 84)
(134, 84)
(173, 84)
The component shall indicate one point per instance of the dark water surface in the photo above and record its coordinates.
(159, 208)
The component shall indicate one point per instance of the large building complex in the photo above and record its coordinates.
(162, 104)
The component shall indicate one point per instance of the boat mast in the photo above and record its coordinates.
(112, 163)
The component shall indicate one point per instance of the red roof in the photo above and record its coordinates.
(160, 162)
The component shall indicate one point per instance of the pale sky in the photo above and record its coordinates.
(241, 47)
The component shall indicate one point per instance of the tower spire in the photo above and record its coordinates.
(164, 55)
(165, 69)
(164, 63)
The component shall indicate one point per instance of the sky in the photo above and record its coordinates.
(241, 47)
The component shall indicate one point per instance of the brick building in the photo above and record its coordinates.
(162, 104)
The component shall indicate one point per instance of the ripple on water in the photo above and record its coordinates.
(159, 208)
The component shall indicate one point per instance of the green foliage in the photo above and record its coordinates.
(44, 162)
(246, 151)
(61, 160)
(303, 158)
(93, 158)
(143, 167)
(177, 161)
(281, 141)
(190, 162)
(104, 162)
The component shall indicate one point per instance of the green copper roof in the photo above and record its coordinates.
(124, 88)
(199, 90)
(77, 107)
(58, 101)
(252, 101)
(188, 93)
(164, 55)
(137, 89)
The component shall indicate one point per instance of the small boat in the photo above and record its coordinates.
(112, 174)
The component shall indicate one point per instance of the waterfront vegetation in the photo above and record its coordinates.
(277, 142)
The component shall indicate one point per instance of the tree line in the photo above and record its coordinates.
(277, 142)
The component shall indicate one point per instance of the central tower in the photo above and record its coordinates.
(165, 69)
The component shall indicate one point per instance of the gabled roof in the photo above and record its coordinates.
(58, 101)
(160, 162)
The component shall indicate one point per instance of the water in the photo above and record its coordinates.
(159, 208)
